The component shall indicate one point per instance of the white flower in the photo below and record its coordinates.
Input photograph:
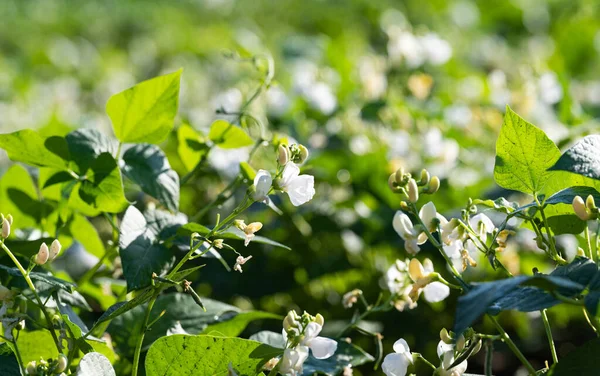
(482, 224)
(300, 188)
(239, 261)
(322, 348)
(414, 235)
(292, 361)
(396, 363)
(434, 292)
(446, 353)
(262, 185)
(396, 276)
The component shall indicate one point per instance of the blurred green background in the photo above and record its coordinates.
(367, 86)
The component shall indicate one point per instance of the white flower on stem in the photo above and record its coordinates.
(321, 347)
(415, 235)
(482, 225)
(239, 261)
(396, 363)
(421, 275)
(452, 231)
(249, 230)
(300, 188)
(446, 354)
(292, 361)
(262, 186)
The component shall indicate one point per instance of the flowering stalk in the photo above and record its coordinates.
(549, 335)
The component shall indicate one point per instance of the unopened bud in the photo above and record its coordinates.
(580, 209)
(590, 203)
(460, 343)
(55, 249)
(445, 337)
(31, 368)
(239, 223)
(42, 256)
(477, 347)
(412, 191)
(10, 219)
(404, 206)
(283, 155)
(400, 175)
(218, 243)
(434, 185)
(425, 176)
(303, 153)
(319, 319)
(5, 228)
(392, 182)
(56, 319)
(61, 363)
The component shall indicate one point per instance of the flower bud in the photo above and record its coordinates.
(434, 185)
(580, 209)
(412, 191)
(218, 243)
(392, 182)
(42, 256)
(283, 155)
(319, 319)
(580, 252)
(445, 337)
(239, 223)
(590, 203)
(10, 219)
(61, 363)
(31, 368)
(477, 347)
(54, 249)
(404, 206)
(425, 176)
(290, 321)
(400, 175)
(302, 154)
(5, 228)
(460, 343)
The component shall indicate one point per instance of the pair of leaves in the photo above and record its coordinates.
(523, 293)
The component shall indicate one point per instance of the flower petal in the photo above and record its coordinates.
(443, 348)
(262, 185)
(312, 331)
(427, 214)
(395, 364)
(301, 189)
(290, 172)
(415, 270)
(323, 348)
(401, 346)
(436, 292)
(403, 225)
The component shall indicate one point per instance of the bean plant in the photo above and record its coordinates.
(68, 187)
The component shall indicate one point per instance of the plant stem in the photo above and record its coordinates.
(425, 360)
(587, 240)
(37, 297)
(138, 347)
(221, 198)
(489, 355)
(593, 324)
(549, 335)
(506, 338)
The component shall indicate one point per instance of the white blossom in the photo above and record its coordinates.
(321, 347)
(396, 363)
(292, 361)
(262, 185)
(300, 188)
(414, 235)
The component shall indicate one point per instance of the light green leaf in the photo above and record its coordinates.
(146, 111)
(523, 155)
(147, 166)
(19, 197)
(206, 355)
(34, 345)
(235, 326)
(191, 146)
(85, 233)
(29, 147)
(103, 187)
(228, 136)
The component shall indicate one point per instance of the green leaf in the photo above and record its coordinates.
(523, 154)
(146, 111)
(58, 178)
(29, 147)
(346, 354)
(147, 166)
(85, 233)
(120, 308)
(567, 195)
(85, 145)
(103, 187)
(247, 171)
(45, 279)
(95, 364)
(583, 158)
(191, 146)
(34, 345)
(579, 361)
(236, 325)
(228, 136)
(9, 366)
(178, 307)
(19, 197)
(231, 233)
(206, 355)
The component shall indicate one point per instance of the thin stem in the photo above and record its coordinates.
(422, 358)
(138, 347)
(506, 338)
(549, 335)
(587, 239)
(593, 324)
(551, 240)
(221, 198)
(37, 297)
(489, 355)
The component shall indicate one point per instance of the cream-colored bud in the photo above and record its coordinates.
(392, 182)
(42, 256)
(590, 203)
(61, 363)
(460, 343)
(253, 227)
(5, 228)
(218, 243)
(31, 368)
(10, 219)
(302, 153)
(283, 155)
(434, 185)
(399, 175)
(580, 209)
(319, 319)
(412, 191)
(239, 223)
(580, 252)
(425, 176)
(404, 206)
(445, 336)
(55, 248)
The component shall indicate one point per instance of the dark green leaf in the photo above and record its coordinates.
(85, 145)
(103, 187)
(9, 366)
(580, 361)
(58, 178)
(566, 196)
(47, 280)
(583, 158)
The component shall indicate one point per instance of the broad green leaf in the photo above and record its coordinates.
(9, 366)
(95, 364)
(583, 158)
(38, 277)
(228, 136)
(75, 202)
(177, 307)
(567, 195)
(103, 187)
(141, 251)
(85, 233)
(18, 196)
(582, 360)
(191, 146)
(346, 354)
(206, 355)
(85, 145)
(236, 325)
(523, 154)
(37, 344)
(147, 166)
(146, 111)
(29, 147)
(592, 299)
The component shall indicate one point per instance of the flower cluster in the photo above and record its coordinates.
(585, 210)
(301, 333)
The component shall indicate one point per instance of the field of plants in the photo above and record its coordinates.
(315, 187)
